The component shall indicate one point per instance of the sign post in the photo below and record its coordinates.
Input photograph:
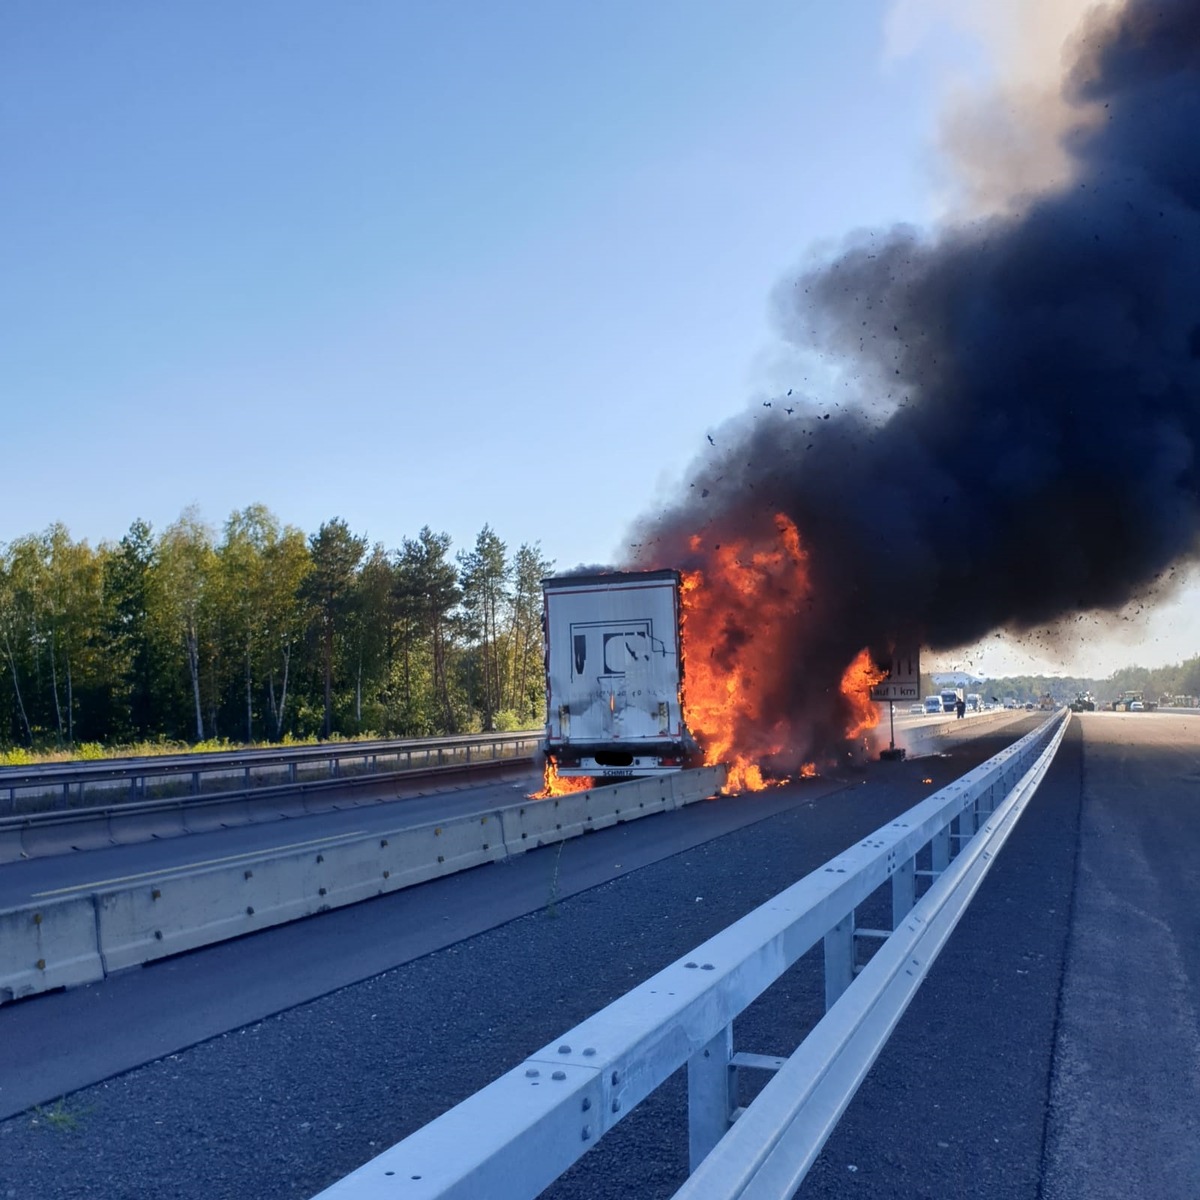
(902, 682)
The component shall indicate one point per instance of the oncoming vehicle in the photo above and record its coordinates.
(933, 704)
(974, 702)
(950, 699)
(916, 708)
(1136, 706)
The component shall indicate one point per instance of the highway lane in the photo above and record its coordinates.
(372, 808)
(62, 1041)
(1053, 1052)
(361, 810)
(1127, 1071)
(566, 932)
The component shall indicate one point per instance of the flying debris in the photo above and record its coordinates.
(1005, 416)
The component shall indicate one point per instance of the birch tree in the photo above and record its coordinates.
(183, 576)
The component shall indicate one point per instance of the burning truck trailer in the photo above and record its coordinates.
(614, 676)
(652, 671)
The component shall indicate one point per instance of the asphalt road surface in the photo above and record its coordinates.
(1002, 1079)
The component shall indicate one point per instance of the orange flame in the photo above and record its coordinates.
(735, 664)
(554, 784)
(742, 589)
(860, 676)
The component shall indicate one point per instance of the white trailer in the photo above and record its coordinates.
(613, 674)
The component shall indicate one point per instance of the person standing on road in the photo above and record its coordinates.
(961, 709)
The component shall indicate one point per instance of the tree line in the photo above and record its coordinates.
(261, 633)
(1175, 679)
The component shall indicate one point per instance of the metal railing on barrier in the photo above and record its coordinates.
(60, 786)
(518, 1134)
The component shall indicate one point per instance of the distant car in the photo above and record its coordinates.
(1136, 706)
(1029, 706)
(916, 708)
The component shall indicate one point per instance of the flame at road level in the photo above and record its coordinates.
(861, 675)
(732, 607)
(553, 784)
(742, 607)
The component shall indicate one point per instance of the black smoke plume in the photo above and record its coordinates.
(1024, 443)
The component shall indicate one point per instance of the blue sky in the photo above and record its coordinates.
(422, 263)
(416, 263)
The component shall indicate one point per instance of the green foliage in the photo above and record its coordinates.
(192, 638)
(59, 1117)
(509, 720)
(1174, 680)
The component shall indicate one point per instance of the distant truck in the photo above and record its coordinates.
(950, 699)
(614, 674)
(974, 702)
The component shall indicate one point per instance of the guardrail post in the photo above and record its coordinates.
(195, 783)
(939, 848)
(966, 824)
(839, 959)
(291, 772)
(904, 890)
(66, 796)
(712, 1094)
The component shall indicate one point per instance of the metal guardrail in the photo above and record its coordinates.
(61, 786)
(517, 1135)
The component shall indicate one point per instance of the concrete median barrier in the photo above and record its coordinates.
(544, 822)
(628, 801)
(11, 849)
(219, 814)
(934, 735)
(83, 938)
(47, 946)
(701, 784)
(126, 827)
(57, 836)
(175, 913)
